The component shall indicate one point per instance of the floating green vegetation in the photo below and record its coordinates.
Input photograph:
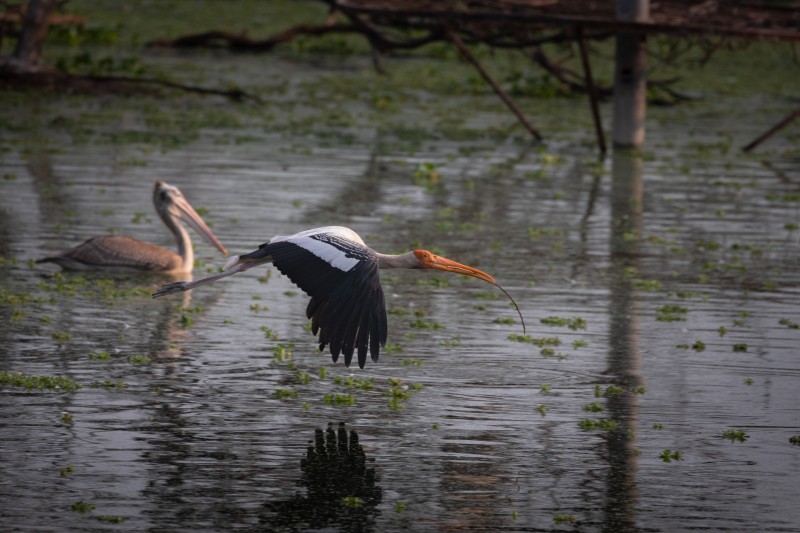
(421, 323)
(788, 323)
(433, 281)
(504, 320)
(53, 383)
(794, 440)
(671, 455)
(574, 324)
(613, 390)
(722, 330)
(536, 341)
(82, 507)
(413, 362)
(354, 502)
(452, 342)
(393, 347)
(735, 435)
(560, 519)
(61, 336)
(303, 378)
(103, 357)
(64, 472)
(67, 418)
(400, 392)
(428, 175)
(285, 394)
(399, 506)
(748, 381)
(579, 343)
(352, 382)
(487, 295)
(604, 424)
(282, 352)
(647, 285)
(698, 346)
(187, 314)
(269, 334)
(535, 233)
(593, 407)
(740, 347)
(671, 313)
(139, 359)
(339, 399)
(541, 409)
(109, 385)
(658, 426)
(545, 388)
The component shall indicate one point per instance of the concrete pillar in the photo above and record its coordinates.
(630, 78)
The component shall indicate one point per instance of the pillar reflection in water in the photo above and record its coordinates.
(624, 355)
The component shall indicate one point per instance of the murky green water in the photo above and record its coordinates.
(678, 273)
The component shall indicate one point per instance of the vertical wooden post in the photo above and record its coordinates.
(32, 35)
(630, 79)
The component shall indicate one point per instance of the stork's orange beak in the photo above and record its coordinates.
(430, 260)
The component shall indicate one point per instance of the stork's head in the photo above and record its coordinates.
(430, 260)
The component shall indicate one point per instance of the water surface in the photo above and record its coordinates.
(197, 412)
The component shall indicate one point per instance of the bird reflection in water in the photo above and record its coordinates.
(340, 490)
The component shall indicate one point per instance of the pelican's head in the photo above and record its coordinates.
(430, 260)
(171, 204)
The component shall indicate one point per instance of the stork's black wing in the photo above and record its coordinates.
(347, 306)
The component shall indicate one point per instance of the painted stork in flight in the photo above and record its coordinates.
(117, 253)
(340, 273)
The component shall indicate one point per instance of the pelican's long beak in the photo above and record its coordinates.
(190, 216)
(430, 260)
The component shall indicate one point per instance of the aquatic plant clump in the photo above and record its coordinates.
(51, 383)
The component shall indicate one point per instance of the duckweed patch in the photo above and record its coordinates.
(735, 435)
(50, 383)
(285, 394)
(602, 424)
(671, 455)
(671, 313)
(339, 399)
(82, 507)
(572, 323)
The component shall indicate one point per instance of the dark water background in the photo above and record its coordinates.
(190, 418)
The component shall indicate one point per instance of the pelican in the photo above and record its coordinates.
(340, 274)
(117, 253)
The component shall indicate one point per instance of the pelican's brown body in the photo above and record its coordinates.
(113, 253)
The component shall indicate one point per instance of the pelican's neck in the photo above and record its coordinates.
(406, 260)
(182, 239)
